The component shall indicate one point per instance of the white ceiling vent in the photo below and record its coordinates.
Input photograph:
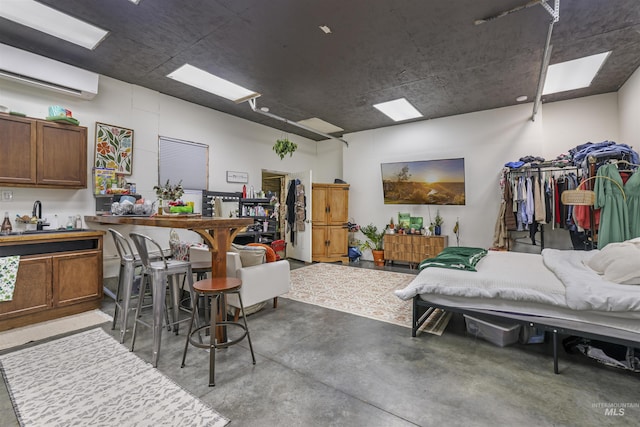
(35, 70)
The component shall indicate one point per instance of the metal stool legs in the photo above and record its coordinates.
(213, 345)
(126, 280)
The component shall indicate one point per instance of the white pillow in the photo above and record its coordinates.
(250, 255)
(618, 262)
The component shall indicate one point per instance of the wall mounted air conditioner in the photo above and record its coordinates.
(35, 70)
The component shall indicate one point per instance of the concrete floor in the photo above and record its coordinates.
(319, 367)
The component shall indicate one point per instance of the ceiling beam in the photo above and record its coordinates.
(254, 106)
(546, 56)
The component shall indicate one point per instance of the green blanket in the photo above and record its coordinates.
(456, 257)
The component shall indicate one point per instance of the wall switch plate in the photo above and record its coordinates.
(7, 195)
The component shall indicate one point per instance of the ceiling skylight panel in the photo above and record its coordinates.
(50, 21)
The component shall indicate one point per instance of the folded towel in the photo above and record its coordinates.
(8, 275)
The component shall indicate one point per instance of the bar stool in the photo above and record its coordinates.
(217, 288)
(126, 279)
(160, 272)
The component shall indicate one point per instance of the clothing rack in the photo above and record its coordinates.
(539, 170)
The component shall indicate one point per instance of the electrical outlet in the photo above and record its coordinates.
(7, 195)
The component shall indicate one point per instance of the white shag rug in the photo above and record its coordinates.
(361, 291)
(89, 379)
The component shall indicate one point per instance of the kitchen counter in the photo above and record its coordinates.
(38, 235)
(59, 274)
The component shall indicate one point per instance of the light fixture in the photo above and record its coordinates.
(193, 76)
(321, 125)
(48, 20)
(522, 98)
(398, 110)
(325, 29)
(574, 74)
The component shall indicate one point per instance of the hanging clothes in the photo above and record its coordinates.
(521, 200)
(500, 234)
(614, 216)
(539, 202)
(300, 208)
(291, 209)
(509, 216)
(632, 190)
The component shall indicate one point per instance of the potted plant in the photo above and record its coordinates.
(436, 225)
(283, 147)
(168, 193)
(374, 242)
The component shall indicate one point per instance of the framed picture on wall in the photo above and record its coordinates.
(426, 182)
(114, 148)
(241, 177)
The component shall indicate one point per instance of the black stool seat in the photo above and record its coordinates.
(217, 287)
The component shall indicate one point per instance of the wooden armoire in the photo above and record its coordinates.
(330, 214)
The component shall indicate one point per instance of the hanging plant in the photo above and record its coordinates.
(283, 147)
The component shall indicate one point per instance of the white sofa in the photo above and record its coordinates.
(259, 282)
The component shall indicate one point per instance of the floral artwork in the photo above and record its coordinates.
(114, 148)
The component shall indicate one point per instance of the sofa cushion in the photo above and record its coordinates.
(249, 255)
(269, 253)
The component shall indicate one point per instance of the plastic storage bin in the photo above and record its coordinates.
(498, 333)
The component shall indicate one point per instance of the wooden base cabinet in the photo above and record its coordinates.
(75, 278)
(53, 284)
(33, 289)
(330, 243)
(330, 214)
(412, 248)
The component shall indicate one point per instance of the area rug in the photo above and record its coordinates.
(89, 379)
(361, 291)
(25, 334)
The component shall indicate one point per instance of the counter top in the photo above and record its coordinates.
(48, 235)
(172, 221)
(218, 233)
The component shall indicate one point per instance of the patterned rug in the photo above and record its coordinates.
(89, 379)
(361, 291)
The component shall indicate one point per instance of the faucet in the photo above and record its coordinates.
(37, 212)
(37, 209)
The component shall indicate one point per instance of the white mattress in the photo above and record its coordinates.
(504, 275)
(511, 282)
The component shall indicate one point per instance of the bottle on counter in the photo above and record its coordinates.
(70, 223)
(78, 222)
(6, 224)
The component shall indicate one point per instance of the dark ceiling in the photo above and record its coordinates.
(428, 51)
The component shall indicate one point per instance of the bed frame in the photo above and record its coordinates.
(422, 309)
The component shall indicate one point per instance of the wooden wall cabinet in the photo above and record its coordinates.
(330, 214)
(38, 153)
(53, 284)
(412, 248)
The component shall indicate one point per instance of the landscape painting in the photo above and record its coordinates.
(427, 182)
